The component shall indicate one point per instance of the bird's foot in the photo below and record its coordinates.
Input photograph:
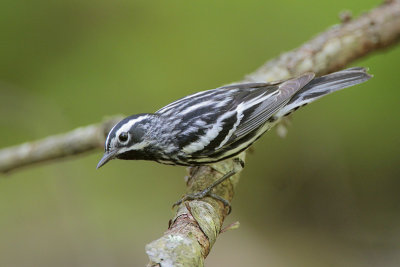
(207, 192)
(202, 194)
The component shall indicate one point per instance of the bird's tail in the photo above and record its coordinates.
(324, 85)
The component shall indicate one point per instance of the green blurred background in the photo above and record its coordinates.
(326, 195)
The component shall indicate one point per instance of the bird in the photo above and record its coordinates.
(217, 124)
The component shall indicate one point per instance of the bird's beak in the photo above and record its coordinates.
(106, 158)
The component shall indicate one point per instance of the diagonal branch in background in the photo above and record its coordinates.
(338, 46)
(197, 224)
(69, 144)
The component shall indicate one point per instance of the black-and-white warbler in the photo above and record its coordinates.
(217, 124)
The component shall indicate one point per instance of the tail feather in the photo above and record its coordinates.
(324, 85)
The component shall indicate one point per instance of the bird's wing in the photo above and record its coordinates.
(212, 120)
(255, 113)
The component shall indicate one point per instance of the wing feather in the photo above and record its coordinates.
(258, 115)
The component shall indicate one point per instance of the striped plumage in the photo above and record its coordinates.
(213, 125)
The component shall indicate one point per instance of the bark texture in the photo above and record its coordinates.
(68, 144)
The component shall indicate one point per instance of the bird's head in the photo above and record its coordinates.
(127, 139)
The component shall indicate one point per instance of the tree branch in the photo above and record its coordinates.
(197, 224)
(338, 46)
(55, 147)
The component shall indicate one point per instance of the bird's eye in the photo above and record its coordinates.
(123, 137)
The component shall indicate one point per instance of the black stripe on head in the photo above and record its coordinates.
(137, 133)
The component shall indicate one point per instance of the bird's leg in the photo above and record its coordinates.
(207, 192)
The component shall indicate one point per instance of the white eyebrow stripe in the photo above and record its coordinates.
(109, 133)
(128, 125)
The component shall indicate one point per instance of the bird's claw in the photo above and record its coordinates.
(239, 164)
(202, 194)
